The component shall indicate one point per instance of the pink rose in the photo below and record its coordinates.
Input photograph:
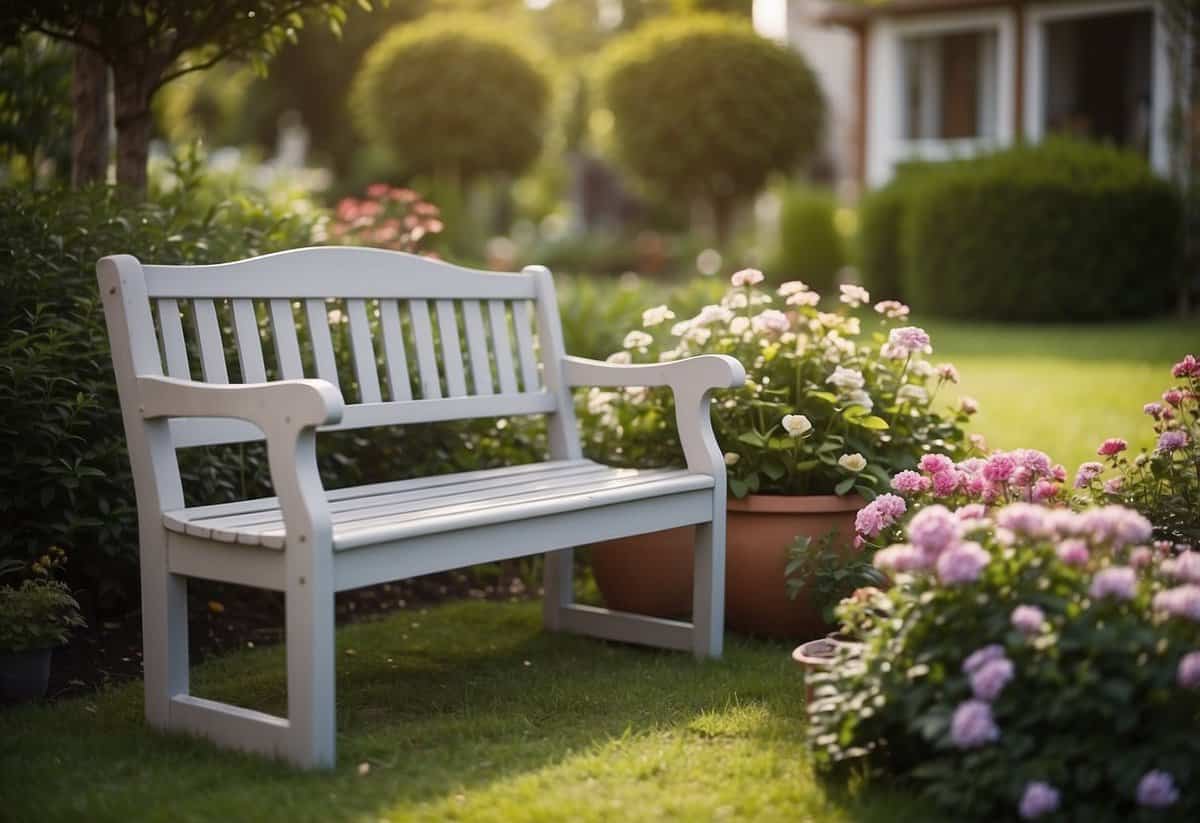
(1111, 446)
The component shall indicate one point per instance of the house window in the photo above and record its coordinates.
(950, 86)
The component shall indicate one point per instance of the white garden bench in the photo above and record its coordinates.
(310, 543)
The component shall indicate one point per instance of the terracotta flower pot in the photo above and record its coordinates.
(652, 574)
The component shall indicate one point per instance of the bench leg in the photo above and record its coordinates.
(164, 633)
(311, 661)
(708, 591)
(558, 585)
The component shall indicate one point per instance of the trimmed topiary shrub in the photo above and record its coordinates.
(1062, 231)
(810, 248)
(881, 263)
(705, 108)
(453, 96)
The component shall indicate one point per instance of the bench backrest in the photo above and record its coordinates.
(427, 340)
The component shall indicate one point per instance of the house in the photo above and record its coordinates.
(938, 79)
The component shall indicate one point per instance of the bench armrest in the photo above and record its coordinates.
(288, 412)
(291, 403)
(691, 380)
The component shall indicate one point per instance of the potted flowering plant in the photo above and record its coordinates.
(834, 403)
(35, 617)
(1029, 662)
(1163, 482)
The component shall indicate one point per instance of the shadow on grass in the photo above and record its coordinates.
(470, 701)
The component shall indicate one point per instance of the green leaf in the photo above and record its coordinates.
(845, 485)
(774, 469)
(874, 423)
(824, 395)
(752, 438)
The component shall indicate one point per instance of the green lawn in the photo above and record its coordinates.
(468, 711)
(1064, 389)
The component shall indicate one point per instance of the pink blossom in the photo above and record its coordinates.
(1189, 366)
(1028, 620)
(975, 486)
(1185, 567)
(909, 482)
(891, 505)
(1044, 490)
(1155, 410)
(1188, 673)
(1181, 601)
(1073, 552)
(947, 372)
(880, 513)
(746, 277)
(1141, 557)
(910, 339)
(771, 320)
(1036, 461)
(1111, 446)
(934, 463)
(1116, 524)
(1063, 522)
(1117, 582)
(1038, 799)
(972, 725)
(1173, 397)
(1059, 472)
(900, 558)
(962, 564)
(969, 405)
(945, 483)
(991, 678)
(1172, 440)
(1156, 790)
(971, 511)
(933, 529)
(1025, 518)
(976, 660)
(378, 190)
(999, 468)
(1113, 485)
(892, 309)
(1087, 473)
(1022, 476)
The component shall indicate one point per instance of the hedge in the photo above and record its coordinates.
(810, 248)
(1061, 231)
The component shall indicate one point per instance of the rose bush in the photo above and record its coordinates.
(830, 404)
(1034, 662)
(1163, 482)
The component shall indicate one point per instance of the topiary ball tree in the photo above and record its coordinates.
(705, 108)
(453, 96)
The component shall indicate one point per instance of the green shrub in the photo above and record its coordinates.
(705, 108)
(881, 264)
(454, 96)
(1062, 231)
(810, 248)
(64, 476)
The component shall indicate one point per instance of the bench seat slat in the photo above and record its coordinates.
(458, 501)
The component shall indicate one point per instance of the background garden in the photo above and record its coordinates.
(644, 150)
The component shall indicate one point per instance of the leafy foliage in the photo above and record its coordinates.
(35, 107)
(453, 96)
(1062, 231)
(705, 107)
(810, 248)
(822, 571)
(820, 412)
(40, 613)
(1094, 694)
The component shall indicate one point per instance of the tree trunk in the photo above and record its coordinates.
(132, 88)
(89, 99)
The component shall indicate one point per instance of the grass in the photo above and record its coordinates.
(467, 712)
(1064, 389)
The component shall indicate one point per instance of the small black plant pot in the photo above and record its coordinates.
(24, 675)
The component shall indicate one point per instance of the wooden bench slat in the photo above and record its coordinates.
(456, 381)
(418, 311)
(317, 313)
(481, 368)
(249, 342)
(363, 349)
(525, 352)
(287, 344)
(502, 346)
(174, 346)
(212, 347)
(393, 350)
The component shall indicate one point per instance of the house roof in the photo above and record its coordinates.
(856, 12)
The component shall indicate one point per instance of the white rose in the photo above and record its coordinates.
(855, 296)
(655, 316)
(796, 424)
(746, 277)
(846, 379)
(804, 298)
(637, 340)
(858, 397)
(620, 358)
(852, 462)
(731, 458)
(912, 393)
(739, 325)
(792, 287)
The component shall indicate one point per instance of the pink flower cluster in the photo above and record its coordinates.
(1039, 798)
(881, 513)
(972, 725)
(1023, 474)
